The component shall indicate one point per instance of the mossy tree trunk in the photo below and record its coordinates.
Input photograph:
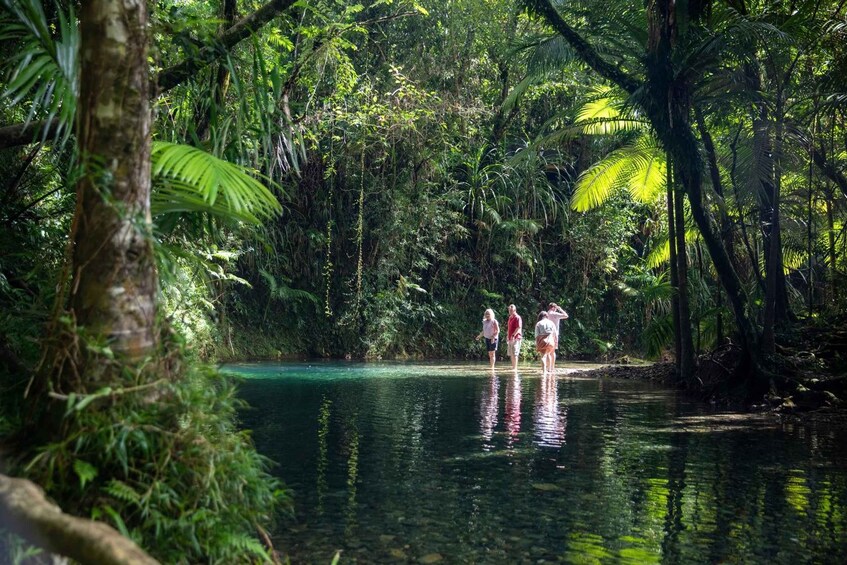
(114, 279)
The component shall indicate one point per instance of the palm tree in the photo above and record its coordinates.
(662, 87)
(641, 167)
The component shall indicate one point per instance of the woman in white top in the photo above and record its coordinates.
(491, 332)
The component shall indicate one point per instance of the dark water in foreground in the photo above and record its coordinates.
(414, 462)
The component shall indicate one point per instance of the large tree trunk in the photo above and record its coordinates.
(113, 293)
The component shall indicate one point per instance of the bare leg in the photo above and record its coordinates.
(492, 357)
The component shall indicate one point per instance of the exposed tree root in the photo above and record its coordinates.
(25, 511)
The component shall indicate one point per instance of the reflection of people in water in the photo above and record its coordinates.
(549, 418)
(488, 408)
(513, 408)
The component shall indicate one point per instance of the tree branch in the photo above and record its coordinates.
(26, 512)
(585, 51)
(225, 41)
(24, 134)
(828, 169)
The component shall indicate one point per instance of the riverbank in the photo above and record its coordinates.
(816, 401)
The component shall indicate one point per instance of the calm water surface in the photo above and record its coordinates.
(426, 463)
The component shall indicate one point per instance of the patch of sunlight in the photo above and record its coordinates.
(586, 549)
(657, 497)
(797, 492)
(720, 422)
(638, 552)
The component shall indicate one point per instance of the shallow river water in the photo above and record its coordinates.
(450, 463)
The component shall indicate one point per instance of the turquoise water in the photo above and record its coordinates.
(431, 463)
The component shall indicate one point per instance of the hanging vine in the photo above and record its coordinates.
(329, 175)
(360, 229)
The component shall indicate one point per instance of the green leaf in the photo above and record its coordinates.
(85, 471)
(118, 521)
(187, 179)
(89, 398)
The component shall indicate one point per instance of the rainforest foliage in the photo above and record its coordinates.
(434, 160)
(327, 178)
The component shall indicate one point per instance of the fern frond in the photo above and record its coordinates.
(122, 491)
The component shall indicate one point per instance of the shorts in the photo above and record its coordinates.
(491, 344)
(515, 348)
(544, 344)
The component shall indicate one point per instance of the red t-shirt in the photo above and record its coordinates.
(513, 330)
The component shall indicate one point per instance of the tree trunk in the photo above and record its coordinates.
(833, 272)
(686, 362)
(113, 293)
(677, 332)
(776, 299)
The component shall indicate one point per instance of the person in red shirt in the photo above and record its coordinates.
(514, 335)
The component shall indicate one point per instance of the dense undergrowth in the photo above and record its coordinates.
(166, 465)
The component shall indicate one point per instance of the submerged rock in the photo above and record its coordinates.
(548, 487)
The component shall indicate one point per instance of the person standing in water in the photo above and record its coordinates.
(514, 335)
(491, 333)
(555, 314)
(545, 337)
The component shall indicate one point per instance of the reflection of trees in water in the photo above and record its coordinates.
(488, 408)
(549, 418)
(513, 409)
(323, 432)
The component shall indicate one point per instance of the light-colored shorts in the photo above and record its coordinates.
(515, 347)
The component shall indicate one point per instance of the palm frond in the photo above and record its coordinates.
(595, 185)
(638, 166)
(658, 335)
(606, 114)
(46, 69)
(187, 179)
(551, 54)
(649, 172)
